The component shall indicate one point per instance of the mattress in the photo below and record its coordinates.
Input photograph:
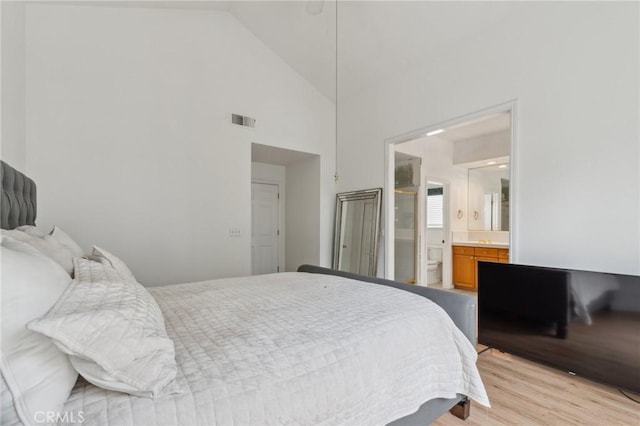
(296, 348)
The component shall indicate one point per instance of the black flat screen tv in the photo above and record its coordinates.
(587, 323)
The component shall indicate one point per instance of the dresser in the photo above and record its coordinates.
(465, 263)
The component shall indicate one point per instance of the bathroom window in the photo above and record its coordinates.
(434, 208)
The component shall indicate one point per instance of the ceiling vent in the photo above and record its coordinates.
(242, 120)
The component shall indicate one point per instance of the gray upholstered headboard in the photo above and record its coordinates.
(18, 205)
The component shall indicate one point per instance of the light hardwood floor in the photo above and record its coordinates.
(526, 393)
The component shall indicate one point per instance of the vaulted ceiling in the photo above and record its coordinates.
(374, 38)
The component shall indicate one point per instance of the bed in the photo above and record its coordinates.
(316, 346)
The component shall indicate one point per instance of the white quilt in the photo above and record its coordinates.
(296, 348)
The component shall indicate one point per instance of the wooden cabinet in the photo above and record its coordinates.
(464, 271)
(465, 264)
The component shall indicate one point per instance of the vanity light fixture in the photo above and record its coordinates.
(435, 132)
(502, 166)
(490, 163)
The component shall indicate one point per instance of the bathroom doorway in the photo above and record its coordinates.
(436, 231)
(451, 153)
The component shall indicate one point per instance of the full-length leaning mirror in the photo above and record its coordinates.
(357, 228)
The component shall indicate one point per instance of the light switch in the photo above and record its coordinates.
(235, 232)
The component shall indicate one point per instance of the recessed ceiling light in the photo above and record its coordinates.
(435, 132)
(491, 163)
(502, 166)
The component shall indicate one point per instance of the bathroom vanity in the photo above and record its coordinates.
(465, 261)
(488, 221)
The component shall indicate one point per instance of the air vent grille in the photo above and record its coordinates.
(242, 120)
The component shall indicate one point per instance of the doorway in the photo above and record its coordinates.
(297, 176)
(449, 151)
(436, 230)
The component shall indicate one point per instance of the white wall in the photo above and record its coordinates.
(573, 69)
(129, 134)
(13, 147)
(304, 214)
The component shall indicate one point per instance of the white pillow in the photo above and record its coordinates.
(113, 330)
(65, 240)
(31, 230)
(104, 257)
(38, 375)
(44, 243)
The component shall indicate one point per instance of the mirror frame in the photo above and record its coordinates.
(367, 194)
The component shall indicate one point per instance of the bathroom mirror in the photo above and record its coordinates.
(488, 189)
(356, 232)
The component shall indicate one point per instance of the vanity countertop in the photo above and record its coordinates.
(493, 244)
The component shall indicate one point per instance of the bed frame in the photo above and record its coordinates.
(18, 207)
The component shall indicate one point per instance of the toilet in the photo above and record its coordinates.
(434, 271)
(434, 265)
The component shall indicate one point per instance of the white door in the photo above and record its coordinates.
(265, 217)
